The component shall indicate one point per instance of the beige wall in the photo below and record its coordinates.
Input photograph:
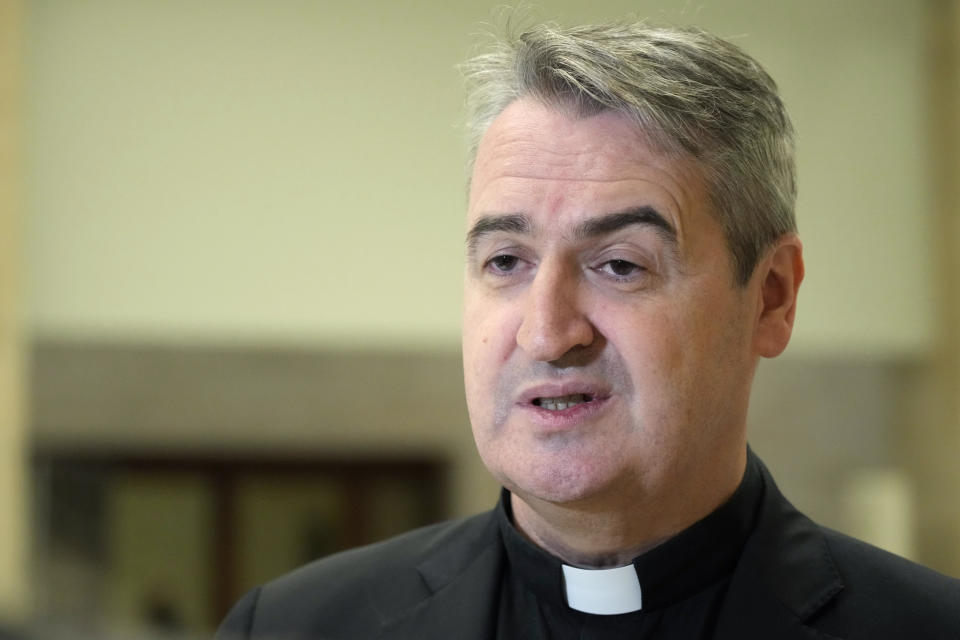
(930, 440)
(291, 171)
(13, 491)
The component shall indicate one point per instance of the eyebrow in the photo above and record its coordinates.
(611, 222)
(592, 228)
(507, 223)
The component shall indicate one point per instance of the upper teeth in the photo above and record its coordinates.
(562, 402)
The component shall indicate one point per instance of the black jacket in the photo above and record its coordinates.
(795, 580)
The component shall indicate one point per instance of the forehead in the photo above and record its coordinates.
(546, 162)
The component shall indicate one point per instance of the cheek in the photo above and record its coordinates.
(662, 362)
(704, 358)
(474, 331)
(489, 330)
(489, 338)
(649, 339)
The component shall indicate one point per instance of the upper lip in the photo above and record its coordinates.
(558, 390)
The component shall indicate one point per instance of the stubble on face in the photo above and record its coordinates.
(571, 452)
(668, 405)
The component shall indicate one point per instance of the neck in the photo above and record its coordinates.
(599, 532)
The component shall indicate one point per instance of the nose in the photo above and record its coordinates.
(553, 321)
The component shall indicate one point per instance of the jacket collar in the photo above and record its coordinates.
(464, 585)
(785, 575)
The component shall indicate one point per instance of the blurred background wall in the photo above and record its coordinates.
(13, 440)
(239, 260)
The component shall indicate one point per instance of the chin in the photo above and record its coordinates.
(555, 485)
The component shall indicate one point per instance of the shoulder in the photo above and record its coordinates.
(349, 594)
(397, 558)
(889, 595)
(839, 586)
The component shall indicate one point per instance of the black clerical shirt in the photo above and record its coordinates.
(683, 581)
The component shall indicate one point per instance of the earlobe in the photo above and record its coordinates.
(781, 275)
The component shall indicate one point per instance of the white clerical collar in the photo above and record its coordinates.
(603, 591)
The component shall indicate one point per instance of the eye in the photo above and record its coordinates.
(503, 263)
(621, 269)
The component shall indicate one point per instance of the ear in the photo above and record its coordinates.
(780, 274)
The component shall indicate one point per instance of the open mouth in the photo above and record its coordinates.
(562, 402)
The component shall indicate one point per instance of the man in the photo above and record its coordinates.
(631, 254)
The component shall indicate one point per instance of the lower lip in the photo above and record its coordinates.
(564, 419)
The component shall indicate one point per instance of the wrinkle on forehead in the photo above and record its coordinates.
(530, 141)
(528, 127)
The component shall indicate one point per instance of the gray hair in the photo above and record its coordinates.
(690, 93)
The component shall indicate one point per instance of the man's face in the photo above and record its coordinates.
(607, 350)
